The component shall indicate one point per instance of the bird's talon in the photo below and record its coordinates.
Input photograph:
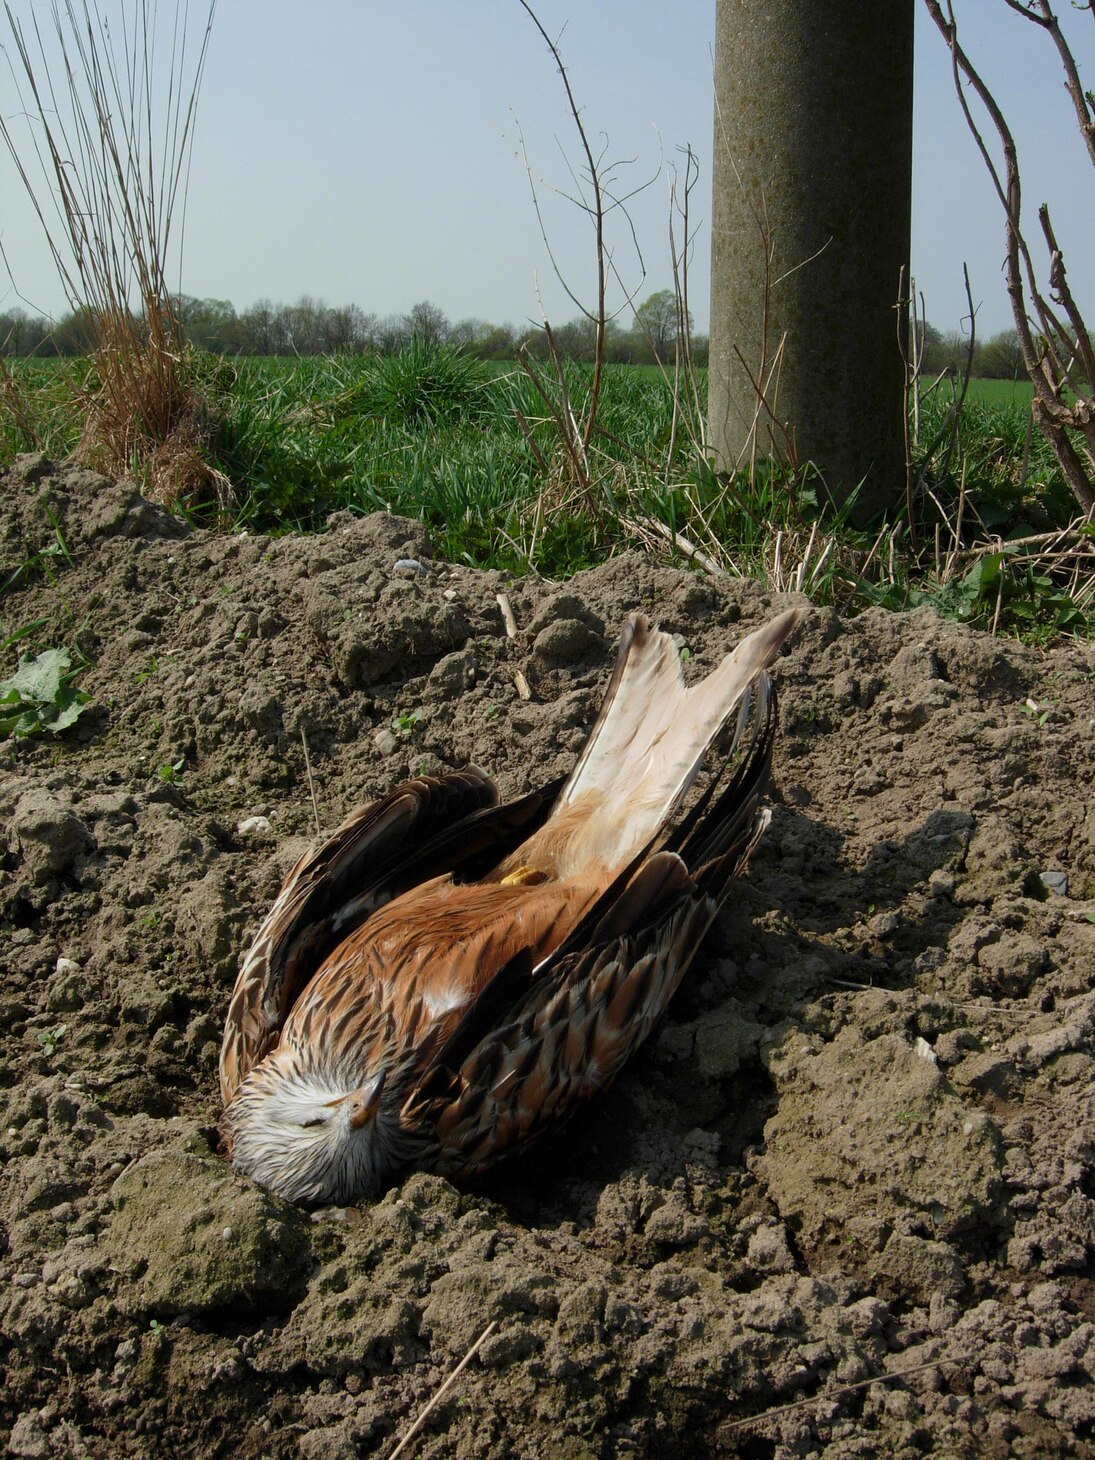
(524, 877)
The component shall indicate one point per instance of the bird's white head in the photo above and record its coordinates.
(310, 1133)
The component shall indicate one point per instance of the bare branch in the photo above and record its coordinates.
(1047, 358)
(1045, 18)
(1081, 340)
(598, 217)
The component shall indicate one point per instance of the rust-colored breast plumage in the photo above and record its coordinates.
(398, 986)
(430, 825)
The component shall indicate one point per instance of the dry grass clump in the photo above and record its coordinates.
(149, 414)
(101, 142)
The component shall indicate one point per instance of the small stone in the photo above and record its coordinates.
(1056, 882)
(385, 742)
(254, 826)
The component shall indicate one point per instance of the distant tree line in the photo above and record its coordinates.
(311, 327)
(998, 358)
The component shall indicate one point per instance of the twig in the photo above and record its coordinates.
(576, 421)
(507, 615)
(1080, 98)
(678, 540)
(1058, 536)
(511, 632)
(311, 783)
(597, 212)
(828, 1395)
(444, 1389)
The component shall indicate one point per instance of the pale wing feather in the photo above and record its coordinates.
(647, 745)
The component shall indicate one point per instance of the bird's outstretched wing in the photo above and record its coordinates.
(540, 1038)
(425, 827)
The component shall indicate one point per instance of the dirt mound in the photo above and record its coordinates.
(864, 1140)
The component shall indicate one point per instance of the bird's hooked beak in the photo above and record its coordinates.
(365, 1102)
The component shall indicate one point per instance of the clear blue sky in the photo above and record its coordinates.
(366, 151)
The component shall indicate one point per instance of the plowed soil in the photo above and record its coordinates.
(863, 1142)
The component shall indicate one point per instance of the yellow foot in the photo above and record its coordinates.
(524, 877)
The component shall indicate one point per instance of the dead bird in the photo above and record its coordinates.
(446, 979)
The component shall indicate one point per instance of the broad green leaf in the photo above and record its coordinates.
(983, 575)
(72, 704)
(29, 722)
(40, 678)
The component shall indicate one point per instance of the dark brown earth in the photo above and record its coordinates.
(863, 1140)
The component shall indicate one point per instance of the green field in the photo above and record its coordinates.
(1017, 393)
(474, 451)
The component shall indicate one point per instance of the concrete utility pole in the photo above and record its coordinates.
(812, 182)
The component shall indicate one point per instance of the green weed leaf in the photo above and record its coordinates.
(40, 678)
(39, 697)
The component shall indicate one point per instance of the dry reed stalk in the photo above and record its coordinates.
(437, 1397)
(728, 1428)
(105, 166)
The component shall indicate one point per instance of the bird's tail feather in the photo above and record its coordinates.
(649, 741)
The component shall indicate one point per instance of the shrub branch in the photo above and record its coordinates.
(1050, 347)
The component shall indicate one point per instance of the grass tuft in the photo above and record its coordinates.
(427, 385)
